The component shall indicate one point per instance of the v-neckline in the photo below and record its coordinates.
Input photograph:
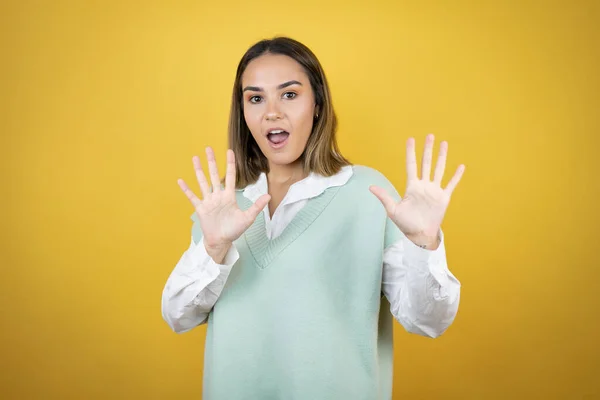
(265, 250)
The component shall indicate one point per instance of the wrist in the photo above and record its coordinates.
(217, 251)
(425, 241)
(214, 243)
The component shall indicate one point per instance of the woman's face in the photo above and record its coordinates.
(279, 107)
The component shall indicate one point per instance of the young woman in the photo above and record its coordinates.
(299, 260)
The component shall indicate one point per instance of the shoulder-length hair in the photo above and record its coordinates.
(321, 154)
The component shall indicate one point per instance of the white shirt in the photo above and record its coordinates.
(422, 292)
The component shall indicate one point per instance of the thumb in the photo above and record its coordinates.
(257, 207)
(383, 196)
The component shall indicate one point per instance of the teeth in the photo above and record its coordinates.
(276, 131)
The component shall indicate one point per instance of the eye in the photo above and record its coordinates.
(289, 95)
(255, 99)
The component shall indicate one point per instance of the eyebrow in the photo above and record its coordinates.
(282, 86)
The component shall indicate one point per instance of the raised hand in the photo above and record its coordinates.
(221, 219)
(420, 212)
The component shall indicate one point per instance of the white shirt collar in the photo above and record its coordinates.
(311, 186)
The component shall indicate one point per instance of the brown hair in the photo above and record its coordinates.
(321, 154)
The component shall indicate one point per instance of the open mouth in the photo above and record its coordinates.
(277, 137)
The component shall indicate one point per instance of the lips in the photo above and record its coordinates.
(277, 137)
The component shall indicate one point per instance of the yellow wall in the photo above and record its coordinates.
(103, 104)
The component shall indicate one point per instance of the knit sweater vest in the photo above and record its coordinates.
(301, 316)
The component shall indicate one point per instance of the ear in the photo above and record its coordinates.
(316, 115)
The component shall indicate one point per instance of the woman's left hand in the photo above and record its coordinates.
(420, 212)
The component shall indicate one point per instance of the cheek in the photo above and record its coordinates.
(306, 129)
(304, 119)
(252, 118)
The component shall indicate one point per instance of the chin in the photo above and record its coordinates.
(282, 158)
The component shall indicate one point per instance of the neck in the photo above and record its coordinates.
(285, 174)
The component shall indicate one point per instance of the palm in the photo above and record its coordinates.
(221, 217)
(422, 209)
(221, 220)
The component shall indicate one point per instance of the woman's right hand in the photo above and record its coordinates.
(221, 220)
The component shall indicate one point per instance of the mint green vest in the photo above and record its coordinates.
(302, 316)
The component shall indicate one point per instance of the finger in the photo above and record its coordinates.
(427, 155)
(230, 174)
(257, 207)
(440, 167)
(200, 177)
(383, 196)
(189, 194)
(455, 179)
(212, 169)
(411, 160)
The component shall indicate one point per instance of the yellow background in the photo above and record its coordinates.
(103, 105)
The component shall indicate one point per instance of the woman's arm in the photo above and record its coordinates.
(423, 293)
(200, 275)
(194, 287)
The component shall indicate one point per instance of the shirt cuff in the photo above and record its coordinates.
(203, 259)
(421, 255)
(428, 261)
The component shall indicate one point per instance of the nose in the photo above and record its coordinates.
(273, 113)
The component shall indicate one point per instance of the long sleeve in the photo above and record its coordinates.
(423, 293)
(194, 286)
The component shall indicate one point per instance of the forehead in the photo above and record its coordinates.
(273, 69)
